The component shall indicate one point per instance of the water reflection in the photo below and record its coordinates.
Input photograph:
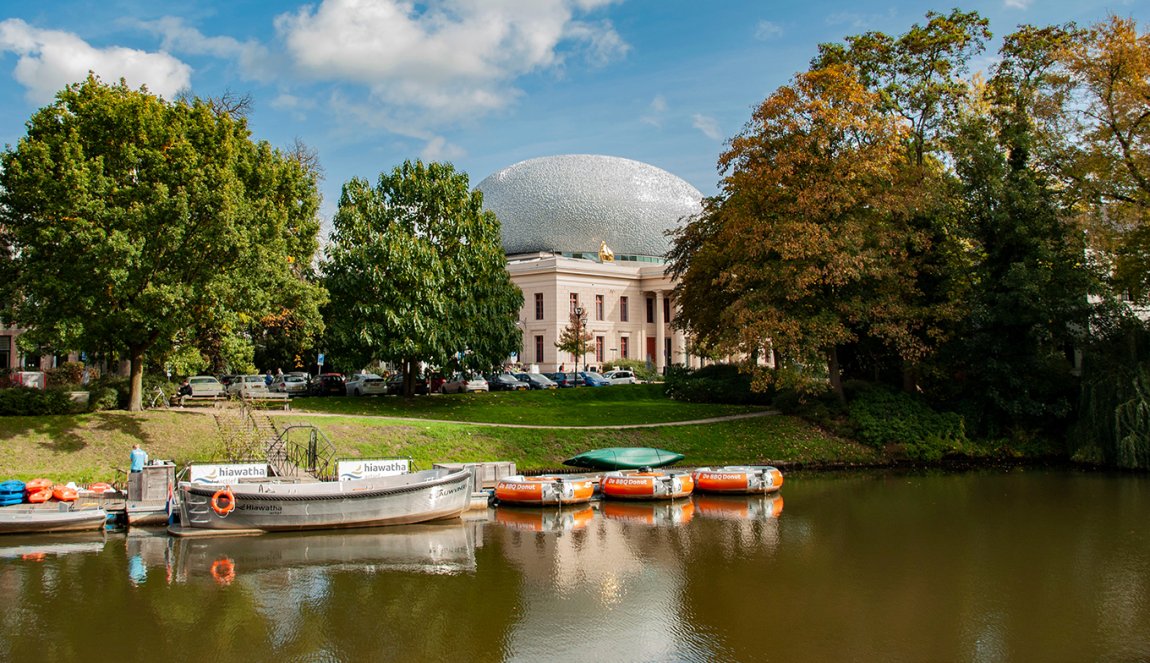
(444, 548)
(545, 519)
(1012, 566)
(37, 548)
(653, 514)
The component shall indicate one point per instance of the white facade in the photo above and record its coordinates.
(627, 304)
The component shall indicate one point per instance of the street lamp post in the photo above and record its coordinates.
(579, 334)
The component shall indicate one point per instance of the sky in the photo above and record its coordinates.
(483, 84)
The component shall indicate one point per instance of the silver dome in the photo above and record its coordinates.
(571, 203)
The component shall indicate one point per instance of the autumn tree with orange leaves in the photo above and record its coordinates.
(804, 250)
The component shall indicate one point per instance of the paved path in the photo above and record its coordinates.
(693, 422)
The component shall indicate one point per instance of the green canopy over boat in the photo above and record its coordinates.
(624, 458)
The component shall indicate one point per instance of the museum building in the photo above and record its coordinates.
(588, 233)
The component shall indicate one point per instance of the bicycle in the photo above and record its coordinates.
(158, 399)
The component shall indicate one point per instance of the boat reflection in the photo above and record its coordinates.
(436, 548)
(35, 547)
(545, 519)
(661, 514)
(739, 507)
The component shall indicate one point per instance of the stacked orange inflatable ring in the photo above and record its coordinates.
(223, 502)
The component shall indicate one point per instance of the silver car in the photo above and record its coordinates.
(621, 377)
(366, 384)
(292, 385)
(463, 384)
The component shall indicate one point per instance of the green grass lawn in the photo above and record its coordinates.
(91, 447)
(604, 406)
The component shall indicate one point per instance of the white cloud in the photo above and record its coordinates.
(48, 60)
(448, 58)
(438, 149)
(253, 58)
(1017, 4)
(767, 30)
(658, 107)
(708, 125)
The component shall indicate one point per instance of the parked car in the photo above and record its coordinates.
(462, 383)
(227, 380)
(328, 384)
(292, 385)
(248, 385)
(537, 380)
(565, 380)
(594, 379)
(206, 386)
(435, 381)
(621, 377)
(506, 382)
(395, 385)
(366, 384)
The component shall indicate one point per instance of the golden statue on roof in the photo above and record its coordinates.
(605, 253)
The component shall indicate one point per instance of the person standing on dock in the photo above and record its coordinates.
(139, 458)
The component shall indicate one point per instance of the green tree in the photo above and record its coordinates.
(136, 224)
(416, 272)
(1029, 300)
(576, 338)
(804, 251)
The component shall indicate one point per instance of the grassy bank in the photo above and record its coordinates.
(91, 447)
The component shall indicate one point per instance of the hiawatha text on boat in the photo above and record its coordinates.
(393, 500)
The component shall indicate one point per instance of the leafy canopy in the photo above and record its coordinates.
(134, 223)
(416, 272)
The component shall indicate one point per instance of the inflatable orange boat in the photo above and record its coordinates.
(542, 490)
(65, 494)
(657, 485)
(40, 496)
(36, 485)
(738, 479)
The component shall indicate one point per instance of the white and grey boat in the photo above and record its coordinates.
(269, 506)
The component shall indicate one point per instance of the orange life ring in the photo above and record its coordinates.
(223, 502)
(224, 571)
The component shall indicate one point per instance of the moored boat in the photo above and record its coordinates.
(15, 520)
(655, 485)
(624, 458)
(268, 506)
(542, 490)
(738, 479)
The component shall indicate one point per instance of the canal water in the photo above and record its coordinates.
(1011, 565)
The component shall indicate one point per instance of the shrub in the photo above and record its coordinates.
(70, 373)
(25, 402)
(883, 417)
(718, 383)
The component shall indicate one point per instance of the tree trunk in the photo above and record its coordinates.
(836, 374)
(408, 378)
(136, 381)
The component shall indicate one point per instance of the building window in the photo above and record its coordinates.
(623, 350)
(599, 349)
(538, 306)
(650, 310)
(538, 349)
(598, 307)
(574, 301)
(667, 351)
(622, 309)
(5, 352)
(666, 310)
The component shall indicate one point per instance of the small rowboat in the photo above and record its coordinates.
(536, 491)
(624, 458)
(739, 479)
(646, 485)
(14, 520)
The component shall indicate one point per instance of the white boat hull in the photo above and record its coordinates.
(395, 500)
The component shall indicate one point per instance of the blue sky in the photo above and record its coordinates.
(480, 83)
